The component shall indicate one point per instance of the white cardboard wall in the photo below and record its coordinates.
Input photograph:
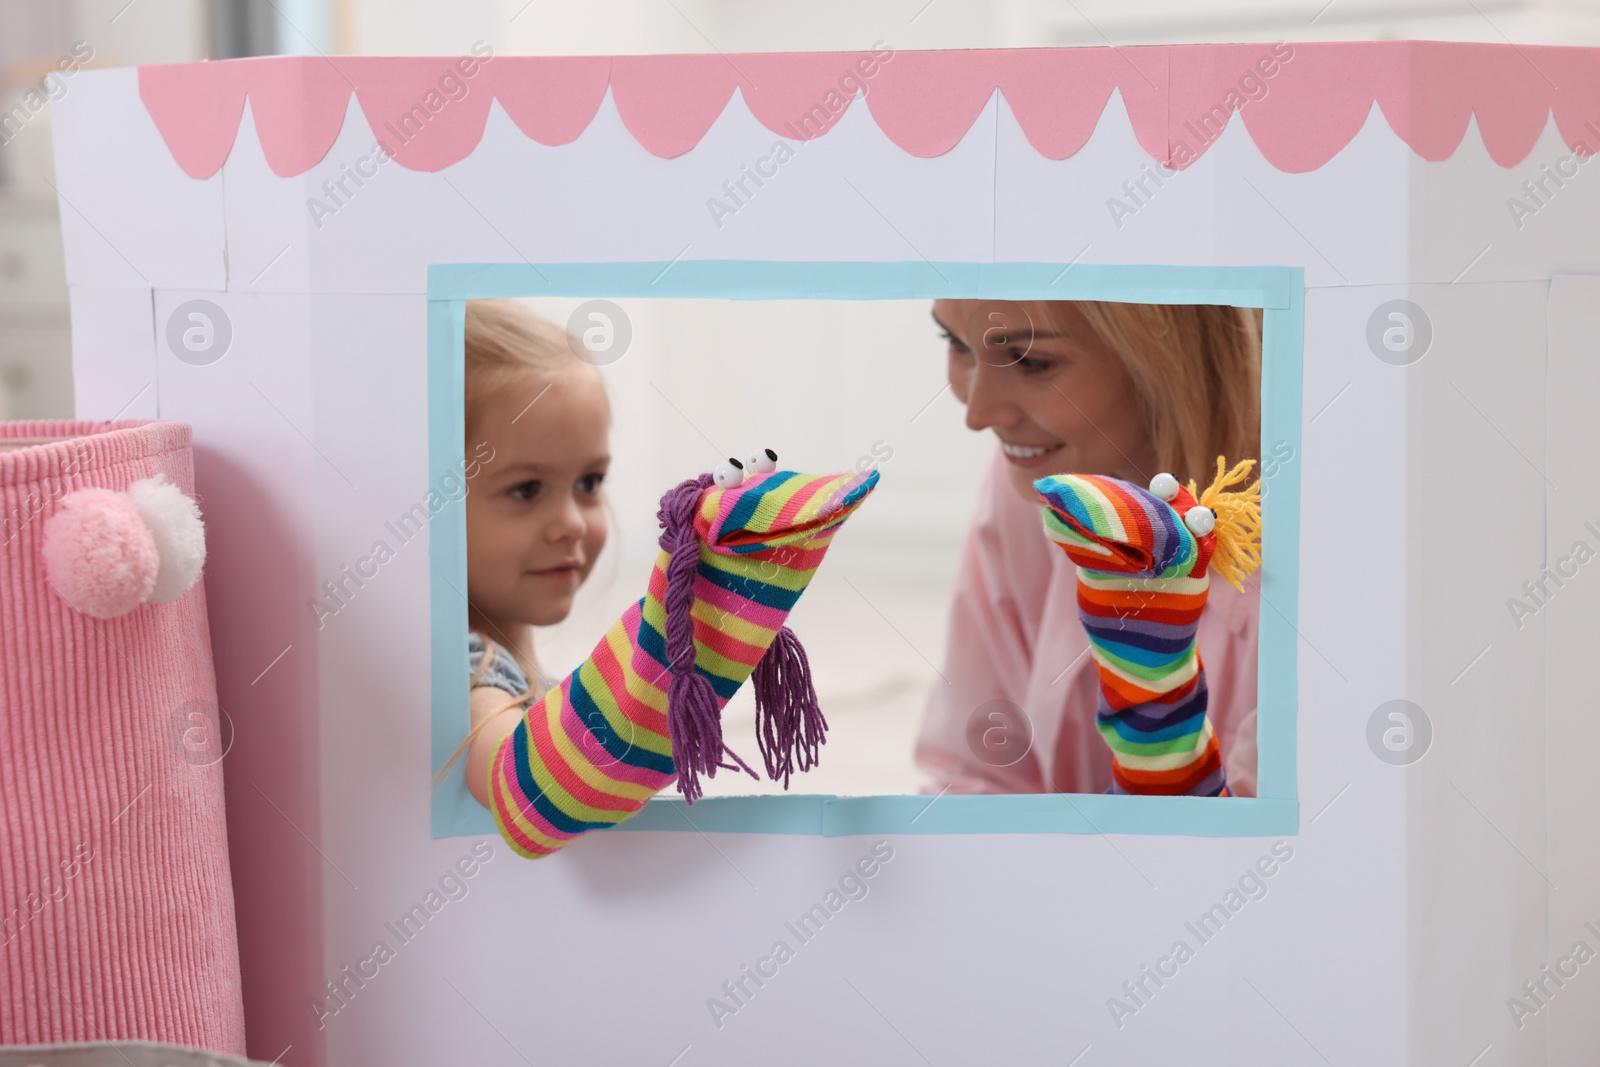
(1567, 628)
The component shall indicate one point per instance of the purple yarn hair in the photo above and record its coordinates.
(789, 722)
(694, 722)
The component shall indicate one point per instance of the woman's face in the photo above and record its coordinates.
(1059, 399)
(535, 517)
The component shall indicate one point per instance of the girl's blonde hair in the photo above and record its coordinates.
(1197, 371)
(503, 341)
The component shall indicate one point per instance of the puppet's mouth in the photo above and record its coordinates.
(1126, 551)
(844, 499)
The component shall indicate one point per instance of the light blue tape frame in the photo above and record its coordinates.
(1280, 291)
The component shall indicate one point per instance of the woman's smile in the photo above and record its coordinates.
(1029, 455)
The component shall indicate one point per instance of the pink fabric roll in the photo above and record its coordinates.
(116, 904)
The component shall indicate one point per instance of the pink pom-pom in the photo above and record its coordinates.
(98, 553)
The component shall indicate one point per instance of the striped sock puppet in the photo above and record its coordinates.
(1142, 559)
(738, 548)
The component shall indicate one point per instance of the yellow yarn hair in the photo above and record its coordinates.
(1238, 528)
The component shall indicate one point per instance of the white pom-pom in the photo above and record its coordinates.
(1164, 486)
(1201, 520)
(180, 535)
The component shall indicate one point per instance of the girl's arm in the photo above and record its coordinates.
(493, 709)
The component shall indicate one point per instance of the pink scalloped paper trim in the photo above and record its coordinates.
(1300, 103)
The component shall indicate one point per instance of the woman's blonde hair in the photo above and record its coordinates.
(502, 341)
(1197, 371)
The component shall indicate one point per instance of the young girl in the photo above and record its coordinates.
(536, 518)
(1068, 387)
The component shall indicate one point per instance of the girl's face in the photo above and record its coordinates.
(535, 520)
(1060, 400)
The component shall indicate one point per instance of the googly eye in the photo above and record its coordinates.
(762, 461)
(1164, 486)
(729, 475)
(1200, 520)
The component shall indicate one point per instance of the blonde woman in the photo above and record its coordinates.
(1080, 387)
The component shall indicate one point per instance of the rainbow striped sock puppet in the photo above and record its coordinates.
(738, 548)
(1142, 559)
